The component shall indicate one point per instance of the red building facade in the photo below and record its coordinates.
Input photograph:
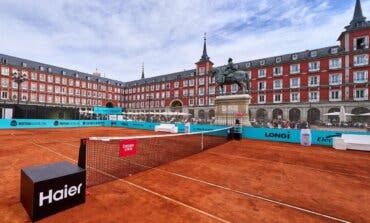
(297, 86)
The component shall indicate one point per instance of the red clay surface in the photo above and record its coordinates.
(241, 181)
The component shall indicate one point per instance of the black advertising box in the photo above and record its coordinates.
(48, 189)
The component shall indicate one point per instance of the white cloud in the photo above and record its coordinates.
(117, 36)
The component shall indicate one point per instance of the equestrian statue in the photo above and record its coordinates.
(231, 75)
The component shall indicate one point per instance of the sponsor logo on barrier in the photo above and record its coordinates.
(277, 135)
(127, 147)
(56, 123)
(329, 138)
(13, 123)
(58, 195)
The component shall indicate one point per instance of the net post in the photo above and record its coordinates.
(82, 154)
(202, 142)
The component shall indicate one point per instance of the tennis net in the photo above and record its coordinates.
(104, 157)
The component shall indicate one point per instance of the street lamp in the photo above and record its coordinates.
(19, 78)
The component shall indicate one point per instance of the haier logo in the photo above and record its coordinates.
(58, 195)
(277, 135)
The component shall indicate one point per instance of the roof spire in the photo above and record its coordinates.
(204, 57)
(142, 71)
(358, 17)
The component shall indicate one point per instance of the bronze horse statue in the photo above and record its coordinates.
(238, 77)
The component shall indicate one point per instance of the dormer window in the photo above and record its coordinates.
(294, 57)
(262, 62)
(76, 74)
(278, 59)
(3, 60)
(24, 64)
(247, 65)
(334, 50)
(88, 78)
(361, 43)
(42, 68)
(313, 53)
(63, 72)
(49, 69)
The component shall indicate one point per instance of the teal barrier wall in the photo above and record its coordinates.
(49, 123)
(270, 134)
(318, 137)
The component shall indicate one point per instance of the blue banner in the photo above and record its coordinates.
(107, 111)
(271, 134)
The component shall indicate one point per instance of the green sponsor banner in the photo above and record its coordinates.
(107, 111)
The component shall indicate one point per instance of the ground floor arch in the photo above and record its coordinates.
(313, 115)
(357, 115)
(277, 113)
(261, 114)
(294, 115)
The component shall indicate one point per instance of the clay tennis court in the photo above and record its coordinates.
(240, 181)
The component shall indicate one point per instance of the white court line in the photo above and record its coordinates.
(272, 161)
(141, 187)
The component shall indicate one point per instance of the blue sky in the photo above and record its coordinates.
(117, 36)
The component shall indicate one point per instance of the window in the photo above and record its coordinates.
(295, 82)
(313, 81)
(191, 82)
(334, 50)
(5, 82)
(168, 94)
(175, 85)
(5, 71)
(50, 88)
(295, 68)
(191, 92)
(335, 63)
(262, 85)
(157, 87)
(278, 59)
(57, 89)
(15, 85)
(41, 98)
(201, 91)
(50, 99)
(33, 86)
(50, 78)
(33, 97)
(191, 102)
(262, 62)
(33, 76)
(360, 60)
(211, 101)
(70, 91)
(57, 80)
(176, 94)
(278, 71)
(212, 90)
(201, 81)
(78, 85)
(278, 84)
(335, 79)
(4, 95)
(335, 95)
(294, 57)
(294, 97)
(64, 82)
(314, 66)
(24, 85)
(201, 101)
(313, 53)
(234, 88)
(261, 99)
(201, 70)
(360, 94)
(361, 43)
(212, 80)
(185, 83)
(185, 92)
(360, 77)
(314, 96)
(277, 98)
(248, 64)
(262, 73)
(42, 77)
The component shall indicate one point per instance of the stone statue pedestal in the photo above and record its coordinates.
(231, 107)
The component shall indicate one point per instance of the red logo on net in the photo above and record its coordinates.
(127, 147)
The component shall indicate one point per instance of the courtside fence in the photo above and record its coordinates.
(318, 137)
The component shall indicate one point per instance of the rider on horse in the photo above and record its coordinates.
(230, 68)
